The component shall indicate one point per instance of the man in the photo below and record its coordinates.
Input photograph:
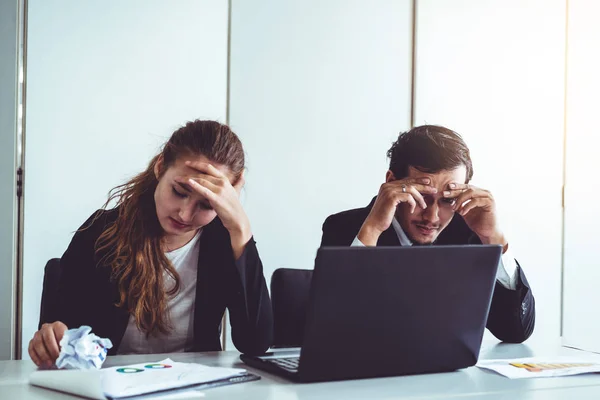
(427, 199)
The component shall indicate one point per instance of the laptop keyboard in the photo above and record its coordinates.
(289, 364)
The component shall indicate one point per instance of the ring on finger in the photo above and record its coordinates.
(403, 188)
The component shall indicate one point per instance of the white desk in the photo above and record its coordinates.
(470, 383)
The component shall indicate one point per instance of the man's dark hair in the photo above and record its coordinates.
(429, 148)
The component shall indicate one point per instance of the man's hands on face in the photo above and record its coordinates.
(391, 194)
(478, 209)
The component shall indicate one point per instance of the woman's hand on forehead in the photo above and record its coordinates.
(209, 172)
(205, 168)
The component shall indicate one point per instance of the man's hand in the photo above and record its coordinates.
(478, 209)
(391, 194)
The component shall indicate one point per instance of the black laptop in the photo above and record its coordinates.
(387, 311)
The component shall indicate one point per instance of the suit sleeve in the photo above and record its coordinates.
(327, 239)
(512, 313)
(335, 233)
(77, 287)
(249, 305)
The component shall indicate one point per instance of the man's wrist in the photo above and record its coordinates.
(497, 238)
(368, 235)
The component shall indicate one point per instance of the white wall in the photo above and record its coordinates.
(107, 84)
(319, 91)
(9, 25)
(581, 325)
(494, 71)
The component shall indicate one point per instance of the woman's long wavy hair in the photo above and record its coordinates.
(133, 245)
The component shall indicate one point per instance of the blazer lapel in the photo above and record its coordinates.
(212, 259)
(206, 257)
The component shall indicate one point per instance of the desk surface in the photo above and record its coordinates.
(468, 383)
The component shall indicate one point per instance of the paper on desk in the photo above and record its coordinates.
(131, 380)
(541, 367)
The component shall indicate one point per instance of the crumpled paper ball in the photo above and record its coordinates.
(81, 349)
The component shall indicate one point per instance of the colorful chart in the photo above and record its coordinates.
(128, 370)
(157, 366)
(532, 367)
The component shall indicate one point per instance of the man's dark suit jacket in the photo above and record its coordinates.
(512, 313)
(87, 294)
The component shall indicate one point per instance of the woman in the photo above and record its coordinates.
(156, 273)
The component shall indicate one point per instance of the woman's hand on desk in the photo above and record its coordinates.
(44, 348)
